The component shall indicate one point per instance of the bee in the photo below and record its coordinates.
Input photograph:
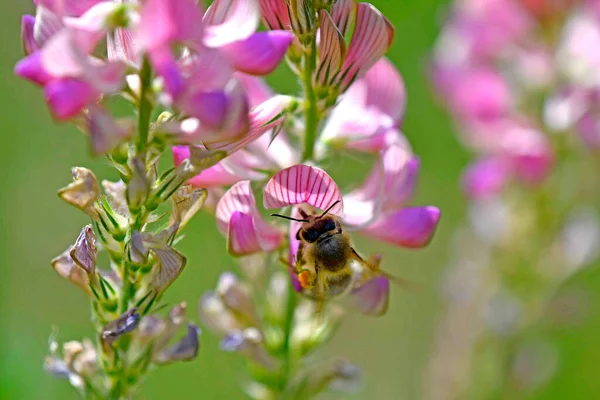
(326, 263)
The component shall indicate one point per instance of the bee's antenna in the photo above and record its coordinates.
(290, 218)
(330, 207)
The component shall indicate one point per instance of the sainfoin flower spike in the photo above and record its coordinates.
(520, 80)
(193, 75)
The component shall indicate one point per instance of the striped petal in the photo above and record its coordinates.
(372, 297)
(342, 13)
(262, 119)
(229, 21)
(260, 53)
(239, 219)
(372, 37)
(121, 46)
(411, 227)
(275, 14)
(332, 50)
(303, 184)
(47, 24)
(27, 39)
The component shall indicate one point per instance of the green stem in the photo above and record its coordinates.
(311, 113)
(288, 356)
(145, 107)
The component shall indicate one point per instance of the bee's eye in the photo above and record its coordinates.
(311, 235)
(329, 225)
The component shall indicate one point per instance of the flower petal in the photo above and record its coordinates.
(164, 22)
(342, 13)
(260, 53)
(303, 184)
(216, 175)
(332, 50)
(486, 177)
(186, 349)
(372, 297)
(372, 37)
(121, 46)
(32, 69)
(67, 97)
(238, 218)
(27, 39)
(385, 89)
(229, 21)
(47, 24)
(275, 14)
(411, 227)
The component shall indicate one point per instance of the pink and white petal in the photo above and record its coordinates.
(303, 184)
(275, 14)
(379, 141)
(207, 69)
(62, 57)
(486, 177)
(256, 89)
(342, 13)
(32, 69)
(411, 227)
(47, 24)
(214, 176)
(239, 198)
(164, 22)
(362, 205)
(67, 97)
(372, 37)
(262, 119)
(121, 46)
(107, 77)
(332, 50)
(349, 111)
(91, 27)
(386, 90)
(405, 189)
(372, 297)
(228, 21)
(242, 238)
(27, 38)
(260, 53)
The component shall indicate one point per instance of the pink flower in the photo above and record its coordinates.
(369, 112)
(61, 58)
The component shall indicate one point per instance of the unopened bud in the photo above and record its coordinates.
(138, 187)
(185, 349)
(302, 18)
(186, 203)
(249, 343)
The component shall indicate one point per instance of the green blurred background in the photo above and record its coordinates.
(35, 225)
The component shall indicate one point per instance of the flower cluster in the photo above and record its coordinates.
(520, 78)
(524, 82)
(193, 78)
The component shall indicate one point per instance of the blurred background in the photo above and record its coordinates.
(35, 225)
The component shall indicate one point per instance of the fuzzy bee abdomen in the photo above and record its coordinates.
(332, 253)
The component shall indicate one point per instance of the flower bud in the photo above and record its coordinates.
(138, 187)
(115, 194)
(237, 296)
(216, 315)
(83, 192)
(122, 325)
(302, 18)
(186, 203)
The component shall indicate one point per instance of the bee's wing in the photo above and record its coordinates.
(372, 267)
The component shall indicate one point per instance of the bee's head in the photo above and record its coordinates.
(315, 226)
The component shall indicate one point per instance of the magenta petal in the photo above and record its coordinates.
(260, 53)
(166, 66)
(164, 22)
(303, 184)
(372, 297)
(67, 97)
(241, 235)
(31, 68)
(411, 227)
(213, 176)
(27, 39)
(238, 217)
(209, 107)
(486, 177)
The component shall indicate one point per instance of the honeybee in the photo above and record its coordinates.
(326, 264)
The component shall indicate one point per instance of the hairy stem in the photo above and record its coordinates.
(311, 112)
